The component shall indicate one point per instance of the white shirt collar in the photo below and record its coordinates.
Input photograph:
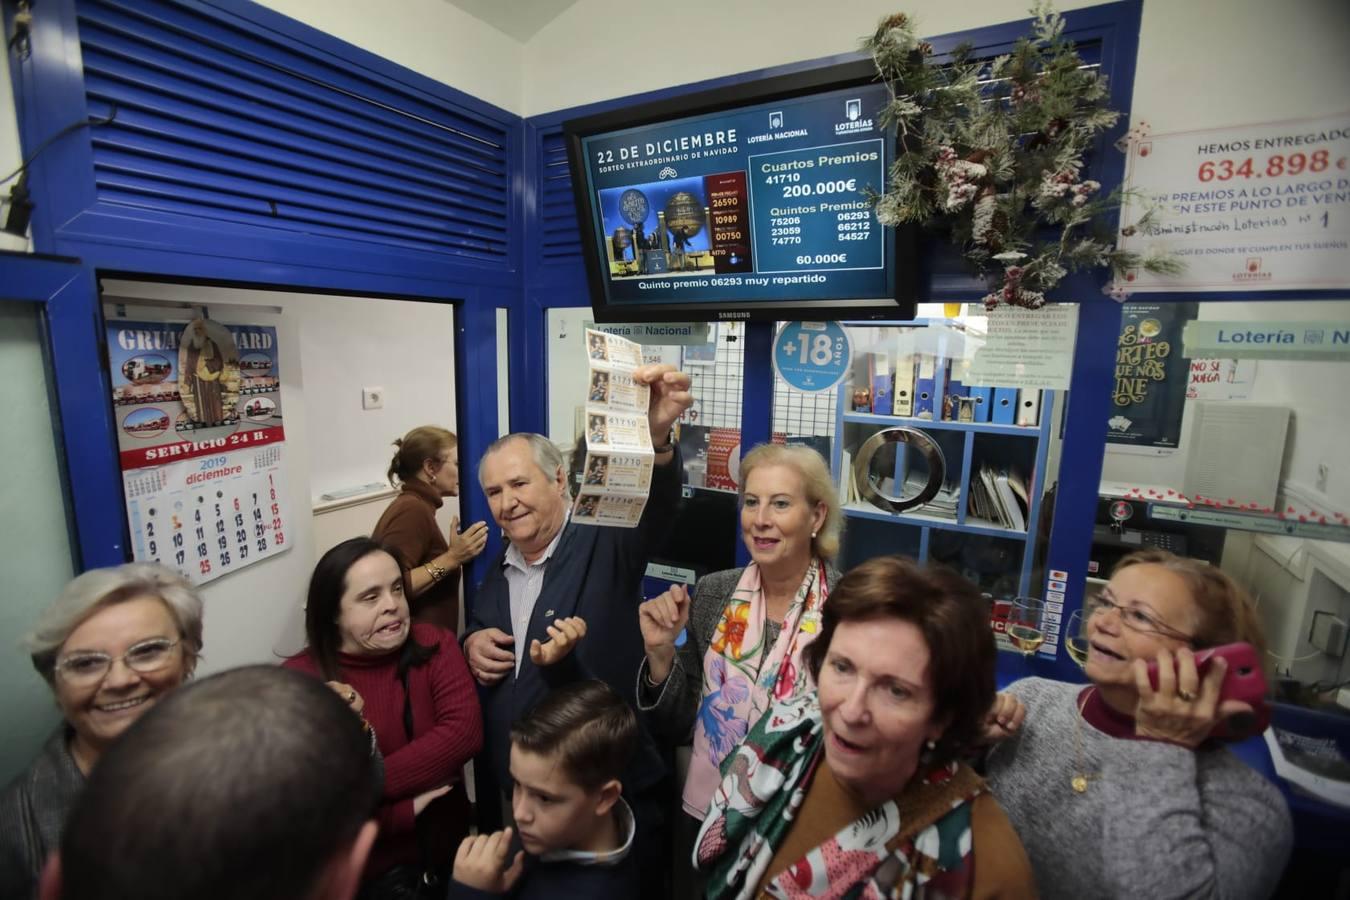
(627, 827)
(514, 558)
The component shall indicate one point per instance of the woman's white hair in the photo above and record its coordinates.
(98, 589)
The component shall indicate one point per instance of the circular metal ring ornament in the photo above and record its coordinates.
(924, 444)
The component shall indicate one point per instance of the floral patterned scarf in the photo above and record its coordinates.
(926, 851)
(742, 675)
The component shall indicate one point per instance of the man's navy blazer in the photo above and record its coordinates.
(596, 573)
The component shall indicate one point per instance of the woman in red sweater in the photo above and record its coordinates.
(414, 689)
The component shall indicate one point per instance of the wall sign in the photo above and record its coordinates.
(1027, 348)
(1218, 379)
(662, 334)
(201, 438)
(1151, 374)
(812, 356)
(1247, 208)
(1268, 340)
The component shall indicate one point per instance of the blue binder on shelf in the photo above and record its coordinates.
(1005, 406)
(984, 402)
(925, 387)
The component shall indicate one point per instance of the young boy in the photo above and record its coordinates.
(575, 829)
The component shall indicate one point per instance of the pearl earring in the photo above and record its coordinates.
(813, 535)
(932, 744)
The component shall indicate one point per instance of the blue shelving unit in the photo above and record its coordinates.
(963, 523)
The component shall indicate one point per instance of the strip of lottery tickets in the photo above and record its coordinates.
(617, 475)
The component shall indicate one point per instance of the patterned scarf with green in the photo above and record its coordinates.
(923, 851)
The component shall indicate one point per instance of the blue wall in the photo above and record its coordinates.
(189, 181)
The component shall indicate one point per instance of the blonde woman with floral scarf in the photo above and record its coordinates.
(747, 627)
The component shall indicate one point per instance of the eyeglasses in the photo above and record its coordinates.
(1136, 619)
(88, 669)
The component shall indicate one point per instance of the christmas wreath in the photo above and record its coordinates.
(992, 152)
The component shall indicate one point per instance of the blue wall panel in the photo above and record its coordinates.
(246, 148)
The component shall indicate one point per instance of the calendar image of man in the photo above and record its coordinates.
(208, 366)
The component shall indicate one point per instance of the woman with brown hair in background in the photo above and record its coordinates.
(427, 465)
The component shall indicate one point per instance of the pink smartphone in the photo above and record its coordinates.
(1244, 681)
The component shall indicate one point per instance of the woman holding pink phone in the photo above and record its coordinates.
(1118, 788)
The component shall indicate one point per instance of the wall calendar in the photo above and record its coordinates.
(201, 441)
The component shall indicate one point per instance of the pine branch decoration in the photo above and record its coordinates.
(993, 152)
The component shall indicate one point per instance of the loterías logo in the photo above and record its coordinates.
(1252, 270)
(667, 172)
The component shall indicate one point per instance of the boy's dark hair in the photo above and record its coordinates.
(241, 786)
(591, 729)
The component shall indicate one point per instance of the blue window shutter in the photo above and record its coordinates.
(559, 228)
(219, 120)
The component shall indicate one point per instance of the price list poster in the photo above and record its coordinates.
(1247, 208)
(200, 437)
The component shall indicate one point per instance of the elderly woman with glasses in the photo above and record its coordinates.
(1116, 788)
(114, 642)
(426, 464)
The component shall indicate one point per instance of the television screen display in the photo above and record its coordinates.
(748, 203)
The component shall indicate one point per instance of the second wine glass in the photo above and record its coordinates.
(1075, 638)
(1026, 625)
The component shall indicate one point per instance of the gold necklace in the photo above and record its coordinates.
(1080, 779)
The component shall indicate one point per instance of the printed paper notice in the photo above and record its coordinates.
(617, 474)
(1247, 208)
(1221, 379)
(1027, 348)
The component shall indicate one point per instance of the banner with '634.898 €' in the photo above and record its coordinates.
(1246, 208)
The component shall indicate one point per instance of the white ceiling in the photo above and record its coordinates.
(520, 19)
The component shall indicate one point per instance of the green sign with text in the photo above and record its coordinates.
(1267, 340)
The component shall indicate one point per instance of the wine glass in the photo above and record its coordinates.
(1026, 624)
(1076, 638)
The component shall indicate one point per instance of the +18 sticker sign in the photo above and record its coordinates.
(812, 356)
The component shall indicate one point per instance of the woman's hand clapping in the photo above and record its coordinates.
(466, 544)
(662, 618)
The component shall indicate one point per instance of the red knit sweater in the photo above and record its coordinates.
(447, 732)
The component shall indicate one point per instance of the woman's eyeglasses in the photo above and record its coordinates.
(1135, 618)
(86, 669)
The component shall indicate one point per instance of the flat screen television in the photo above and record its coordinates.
(747, 202)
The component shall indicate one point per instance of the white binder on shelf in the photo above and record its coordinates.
(1029, 407)
(904, 385)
